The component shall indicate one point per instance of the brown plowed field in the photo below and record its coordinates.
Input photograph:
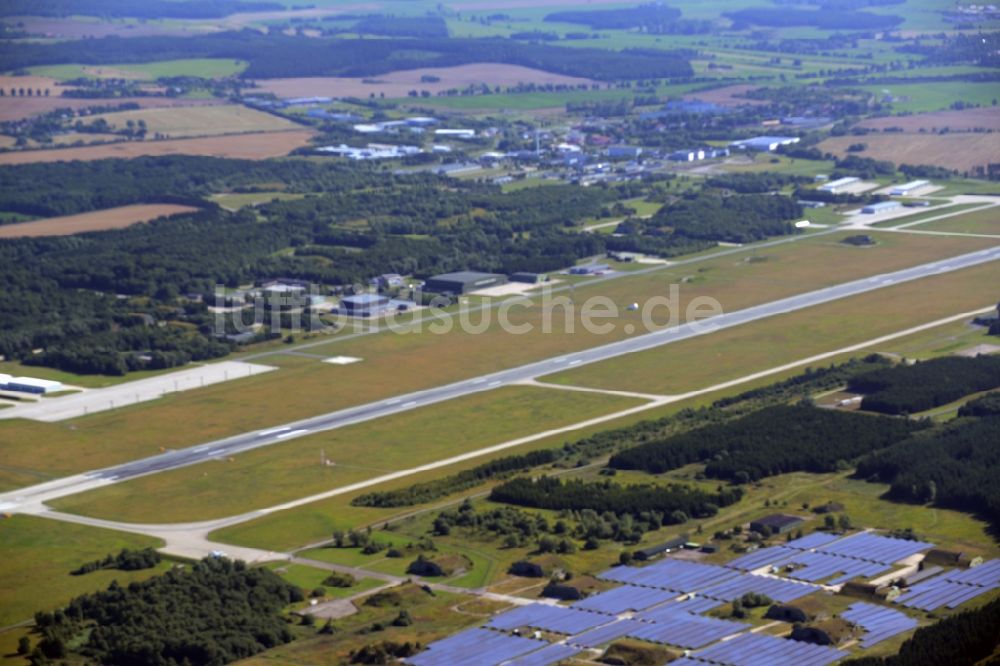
(967, 119)
(398, 84)
(98, 220)
(952, 151)
(256, 146)
(15, 108)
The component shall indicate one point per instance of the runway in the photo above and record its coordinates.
(640, 342)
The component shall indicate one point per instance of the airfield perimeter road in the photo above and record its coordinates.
(338, 419)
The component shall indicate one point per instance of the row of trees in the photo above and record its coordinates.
(908, 389)
(125, 560)
(771, 441)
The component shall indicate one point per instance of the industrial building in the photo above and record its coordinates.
(529, 278)
(364, 305)
(765, 143)
(776, 523)
(455, 133)
(624, 152)
(881, 207)
(907, 188)
(839, 185)
(462, 282)
(28, 385)
(590, 269)
(373, 151)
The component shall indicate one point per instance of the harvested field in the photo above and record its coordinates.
(98, 220)
(12, 108)
(256, 146)
(967, 119)
(952, 151)
(68, 28)
(398, 84)
(33, 82)
(727, 96)
(200, 120)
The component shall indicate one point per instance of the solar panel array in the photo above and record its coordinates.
(475, 647)
(875, 548)
(814, 540)
(952, 589)
(557, 619)
(764, 650)
(819, 565)
(668, 611)
(878, 622)
(678, 575)
(604, 634)
(762, 558)
(625, 598)
(552, 654)
(686, 630)
(778, 589)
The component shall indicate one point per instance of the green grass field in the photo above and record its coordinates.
(208, 68)
(234, 200)
(926, 214)
(711, 359)
(980, 222)
(288, 471)
(937, 97)
(395, 363)
(38, 554)
(308, 578)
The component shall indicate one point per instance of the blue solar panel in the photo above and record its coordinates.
(814, 540)
(986, 574)
(670, 574)
(625, 598)
(551, 654)
(671, 609)
(686, 630)
(875, 548)
(764, 650)
(475, 647)
(778, 589)
(878, 622)
(816, 566)
(939, 592)
(558, 619)
(605, 634)
(761, 558)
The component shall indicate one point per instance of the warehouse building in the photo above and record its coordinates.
(839, 185)
(363, 305)
(881, 207)
(28, 385)
(590, 269)
(776, 523)
(462, 282)
(529, 278)
(907, 188)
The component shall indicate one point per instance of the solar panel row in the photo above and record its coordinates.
(551, 654)
(818, 565)
(669, 574)
(773, 555)
(939, 592)
(667, 612)
(475, 647)
(557, 619)
(814, 540)
(625, 598)
(878, 622)
(986, 574)
(778, 589)
(686, 630)
(875, 548)
(604, 634)
(764, 650)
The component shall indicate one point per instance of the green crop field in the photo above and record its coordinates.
(208, 68)
(731, 353)
(283, 472)
(979, 222)
(396, 363)
(38, 554)
(308, 578)
(939, 96)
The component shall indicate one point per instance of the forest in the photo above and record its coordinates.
(653, 17)
(125, 560)
(826, 19)
(211, 613)
(430, 27)
(676, 502)
(150, 9)
(953, 467)
(776, 440)
(909, 389)
(969, 637)
(276, 55)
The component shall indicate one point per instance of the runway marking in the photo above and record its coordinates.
(410, 403)
(478, 381)
(201, 448)
(574, 361)
(392, 402)
(292, 433)
(265, 433)
(494, 383)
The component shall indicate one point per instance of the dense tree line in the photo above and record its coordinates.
(987, 405)
(953, 467)
(755, 183)
(707, 216)
(826, 19)
(776, 440)
(125, 560)
(978, 48)
(908, 389)
(653, 18)
(677, 502)
(277, 55)
(150, 9)
(213, 613)
(970, 637)
(428, 27)
(431, 490)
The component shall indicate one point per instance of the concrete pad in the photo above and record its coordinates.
(511, 288)
(130, 393)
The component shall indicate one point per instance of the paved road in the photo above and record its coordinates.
(344, 417)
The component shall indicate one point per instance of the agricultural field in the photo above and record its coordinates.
(199, 121)
(962, 152)
(980, 222)
(954, 121)
(208, 68)
(399, 84)
(255, 146)
(100, 220)
(280, 473)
